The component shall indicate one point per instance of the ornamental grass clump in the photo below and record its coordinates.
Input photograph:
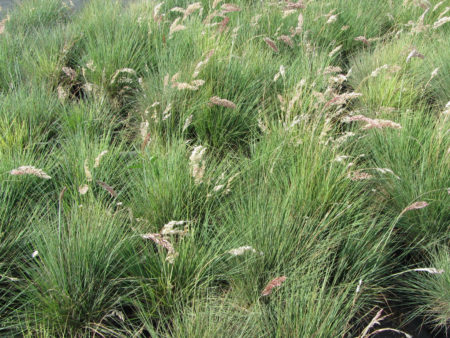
(213, 168)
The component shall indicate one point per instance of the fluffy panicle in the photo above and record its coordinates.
(415, 206)
(334, 51)
(191, 9)
(83, 189)
(373, 123)
(123, 72)
(288, 12)
(271, 44)
(241, 250)
(222, 102)
(99, 157)
(228, 8)
(277, 282)
(156, 10)
(434, 73)
(144, 129)
(343, 138)
(187, 123)
(194, 85)
(176, 27)
(255, 19)
(223, 24)
(197, 164)
(295, 5)
(332, 19)
(363, 40)
(299, 27)
(439, 4)
(215, 3)
(30, 170)
(287, 40)
(341, 158)
(430, 270)
(108, 188)
(378, 70)
(202, 63)
(331, 70)
(178, 9)
(444, 12)
(414, 54)
(359, 176)
(441, 21)
(168, 229)
(69, 72)
(159, 240)
(387, 171)
(87, 172)
(281, 72)
(62, 93)
(166, 113)
(342, 99)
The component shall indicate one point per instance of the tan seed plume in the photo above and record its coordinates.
(363, 40)
(228, 8)
(70, 73)
(415, 206)
(271, 44)
(158, 239)
(168, 229)
(377, 71)
(197, 164)
(287, 40)
(334, 51)
(176, 27)
(30, 170)
(332, 19)
(99, 157)
(122, 71)
(83, 189)
(242, 250)
(277, 282)
(430, 270)
(331, 70)
(108, 188)
(299, 27)
(87, 172)
(359, 176)
(194, 85)
(441, 21)
(188, 122)
(223, 24)
(201, 64)
(295, 5)
(144, 129)
(222, 102)
(414, 54)
(191, 9)
(373, 123)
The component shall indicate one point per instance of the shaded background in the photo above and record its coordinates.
(7, 4)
